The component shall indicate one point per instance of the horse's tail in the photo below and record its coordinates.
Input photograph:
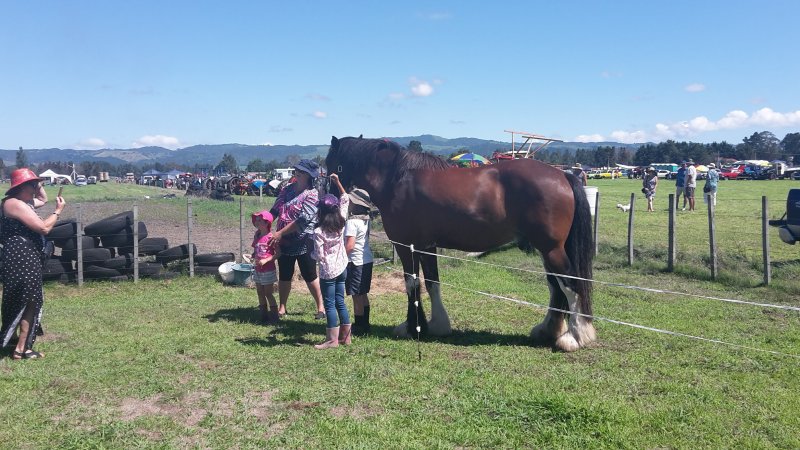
(580, 245)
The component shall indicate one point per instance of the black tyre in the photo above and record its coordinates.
(175, 253)
(213, 259)
(98, 273)
(206, 270)
(69, 248)
(52, 270)
(148, 246)
(109, 225)
(117, 262)
(146, 269)
(123, 238)
(94, 256)
(62, 231)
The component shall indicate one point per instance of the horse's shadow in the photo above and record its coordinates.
(295, 331)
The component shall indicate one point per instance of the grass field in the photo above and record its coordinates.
(184, 364)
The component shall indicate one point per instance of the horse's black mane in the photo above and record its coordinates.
(360, 154)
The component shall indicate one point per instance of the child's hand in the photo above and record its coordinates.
(334, 177)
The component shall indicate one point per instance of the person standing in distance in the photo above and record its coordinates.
(691, 183)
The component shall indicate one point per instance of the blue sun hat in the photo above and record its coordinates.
(308, 166)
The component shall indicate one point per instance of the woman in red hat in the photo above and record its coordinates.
(23, 252)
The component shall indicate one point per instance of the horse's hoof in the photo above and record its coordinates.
(585, 334)
(437, 328)
(401, 331)
(567, 343)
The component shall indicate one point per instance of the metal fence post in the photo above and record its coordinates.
(79, 245)
(712, 237)
(671, 250)
(596, 219)
(135, 243)
(241, 229)
(189, 236)
(765, 239)
(630, 229)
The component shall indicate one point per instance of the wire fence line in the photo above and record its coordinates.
(596, 317)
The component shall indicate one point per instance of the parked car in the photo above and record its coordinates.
(731, 173)
(80, 180)
(91, 180)
(662, 173)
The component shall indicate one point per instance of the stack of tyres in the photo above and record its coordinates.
(208, 263)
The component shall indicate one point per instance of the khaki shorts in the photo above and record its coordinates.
(689, 192)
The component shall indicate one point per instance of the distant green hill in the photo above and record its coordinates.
(212, 154)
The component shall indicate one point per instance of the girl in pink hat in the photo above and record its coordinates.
(264, 254)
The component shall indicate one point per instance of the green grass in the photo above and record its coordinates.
(183, 363)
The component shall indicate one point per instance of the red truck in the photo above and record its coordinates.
(732, 172)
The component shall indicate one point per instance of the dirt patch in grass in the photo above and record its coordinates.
(356, 412)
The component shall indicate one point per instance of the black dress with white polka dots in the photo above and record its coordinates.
(22, 277)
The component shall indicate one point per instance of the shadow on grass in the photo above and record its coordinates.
(291, 330)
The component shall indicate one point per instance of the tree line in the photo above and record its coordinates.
(760, 145)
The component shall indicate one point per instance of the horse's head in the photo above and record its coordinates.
(341, 161)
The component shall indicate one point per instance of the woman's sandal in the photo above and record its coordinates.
(30, 354)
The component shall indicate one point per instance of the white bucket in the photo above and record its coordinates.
(226, 272)
(591, 195)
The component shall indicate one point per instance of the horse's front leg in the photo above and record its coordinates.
(415, 314)
(439, 324)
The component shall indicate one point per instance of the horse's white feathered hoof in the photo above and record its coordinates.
(439, 327)
(567, 343)
(585, 334)
(401, 331)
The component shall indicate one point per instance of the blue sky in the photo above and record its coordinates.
(96, 74)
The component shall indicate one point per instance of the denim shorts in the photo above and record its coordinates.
(268, 277)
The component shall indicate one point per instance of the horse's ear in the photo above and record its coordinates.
(360, 136)
(334, 140)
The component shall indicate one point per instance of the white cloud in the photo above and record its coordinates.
(93, 143)
(318, 97)
(736, 119)
(421, 88)
(695, 87)
(158, 141)
(319, 115)
(589, 138)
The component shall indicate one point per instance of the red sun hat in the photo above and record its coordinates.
(20, 177)
(266, 215)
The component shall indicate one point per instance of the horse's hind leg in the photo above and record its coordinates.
(580, 330)
(553, 324)
(415, 314)
(439, 325)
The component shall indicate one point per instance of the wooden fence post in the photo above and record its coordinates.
(79, 245)
(630, 229)
(189, 236)
(135, 243)
(765, 239)
(672, 251)
(596, 219)
(712, 237)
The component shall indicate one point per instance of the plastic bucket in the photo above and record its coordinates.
(242, 274)
(226, 272)
(591, 195)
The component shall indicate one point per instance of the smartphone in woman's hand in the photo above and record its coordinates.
(60, 190)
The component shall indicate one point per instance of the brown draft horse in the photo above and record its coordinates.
(429, 204)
